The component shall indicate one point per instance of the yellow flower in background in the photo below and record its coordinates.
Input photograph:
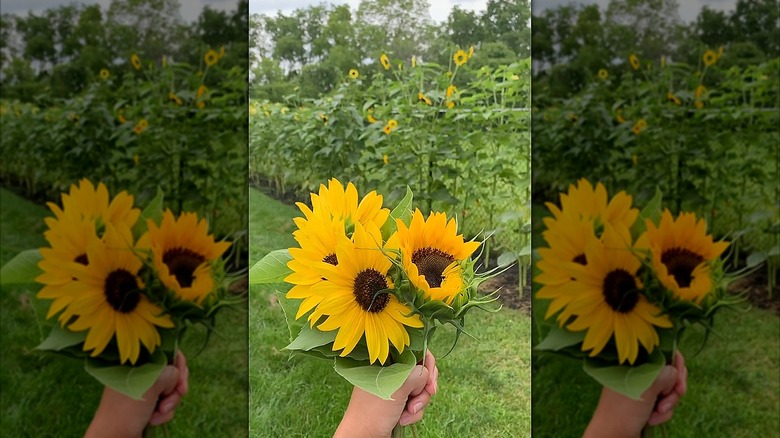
(460, 57)
(324, 118)
(634, 61)
(450, 104)
(603, 74)
(72, 116)
(423, 98)
(699, 104)
(104, 73)
(709, 57)
(202, 89)
(370, 119)
(385, 159)
(700, 90)
(355, 303)
(471, 52)
(681, 251)
(141, 126)
(392, 123)
(182, 252)
(414, 61)
(619, 116)
(609, 303)
(432, 250)
(109, 303)
(210, 58)
(639, 126)
(136, 61)
(121, 118)
(252, 110)
(387, 129)
(221, 52)
(174, 98)
(672, 98)
(720, 51)
(385, 61)
(452, 89)
(353, 73)
(572, 117)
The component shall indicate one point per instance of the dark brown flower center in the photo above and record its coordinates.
(620, 291)
(680, 264)
(182, 263)
(121, 290)
(431, 264)
(580, 258)
(367, 283)
(331, 259)
(81, 259)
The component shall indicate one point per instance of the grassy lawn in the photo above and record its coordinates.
(484, 385)
(46, 395)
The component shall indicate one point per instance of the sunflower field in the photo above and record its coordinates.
(458, 137)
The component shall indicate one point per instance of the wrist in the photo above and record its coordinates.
(353, 426)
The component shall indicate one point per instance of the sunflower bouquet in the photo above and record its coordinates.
(370, 286)
(123, 284)
(619, 286)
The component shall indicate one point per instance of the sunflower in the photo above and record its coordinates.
(414, 61)
(700, 90)
(460, 57)
(672, 98)
(174, 98)
(109, 302)
(385, 61)
(121, 118)
(356, 302)
(221, 52)
(681, 251)
(392, 123)
(432, 251)
(104, 73)
(639, 126)
(471, 51)
(608, 300)
(202, 89)
(385, 159)
(182, 251)
(603, 74)
(317, 245)
(210, 58)
(341, 204)
(590, 204)
(353, 73)
(91, 204)
(720, 51)
(387, 129)
(324, 118)
(698, 104)
(709, 57)
(634, 61)
(141, 126)
(136, 61)
(371, 119)
(619, 116)
(423, 98)
(452, 89)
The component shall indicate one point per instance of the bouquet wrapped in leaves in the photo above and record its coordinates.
(123, 284)
(370, 286)
(620, 286)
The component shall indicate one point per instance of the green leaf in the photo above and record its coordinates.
(272, 268)
(559, 338)
(153, 211)
(132, 381)
(507, 258)
(290, 309)
(401, 211)
(755, 258)
(382, 381)
(21, 269)
(310, 338)
(60, 338)
(651, 211)
(630, 381)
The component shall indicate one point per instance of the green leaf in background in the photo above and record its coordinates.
(132, 381)
(756, 258)
(651, 211)
(272, 268)
(153, 211)
(382, 381)
(507, 258)
(559, 338)
(630, 381)
(60, 338)
(21, 269)
(401, 211)
(310, 338)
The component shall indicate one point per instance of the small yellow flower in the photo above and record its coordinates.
(450, 104)
(104, 73)
(174, 98)
(353, 73)
(385, 159)
(414, 61)
(634, 61)
(639, 126)
(699, 104)
(201, 91)
(392, 123)
(720, 51)
(700, 91)
(460, 57)
(709, 57)
(221, 52)
(121, 118)
(135, 159)
(603, 74)
(252, 110)
(423, 98)
(451, 90)
(471, 51)
(371, 119)
(515, 77)
(136, 61)
(387, 129)
(385, 61)
(672, 98)
(140, 126)
(201, 105)
(210, 58)
(324, 118)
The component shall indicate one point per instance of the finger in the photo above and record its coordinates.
(667, 403)
(165, 384)
(169, 403)
(430, 363)
(413, 385)
(183, 385)
(682, 378)
(665, 382)
(158, 418)
(407, 418)
(656, 418)
(418, 403)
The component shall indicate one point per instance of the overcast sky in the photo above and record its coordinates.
(190, 9)
(689, 9)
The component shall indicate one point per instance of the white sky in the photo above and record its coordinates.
(689, 9)
(440, 9)
(190, 9)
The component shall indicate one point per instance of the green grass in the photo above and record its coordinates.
(484, 385)
(46, 395)
(733, 384)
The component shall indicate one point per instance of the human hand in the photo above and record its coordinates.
(619, 416)
(368, 416)
(120, 416)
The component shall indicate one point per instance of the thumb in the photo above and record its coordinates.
(413, 385)
(165, 384)
(663, 384)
